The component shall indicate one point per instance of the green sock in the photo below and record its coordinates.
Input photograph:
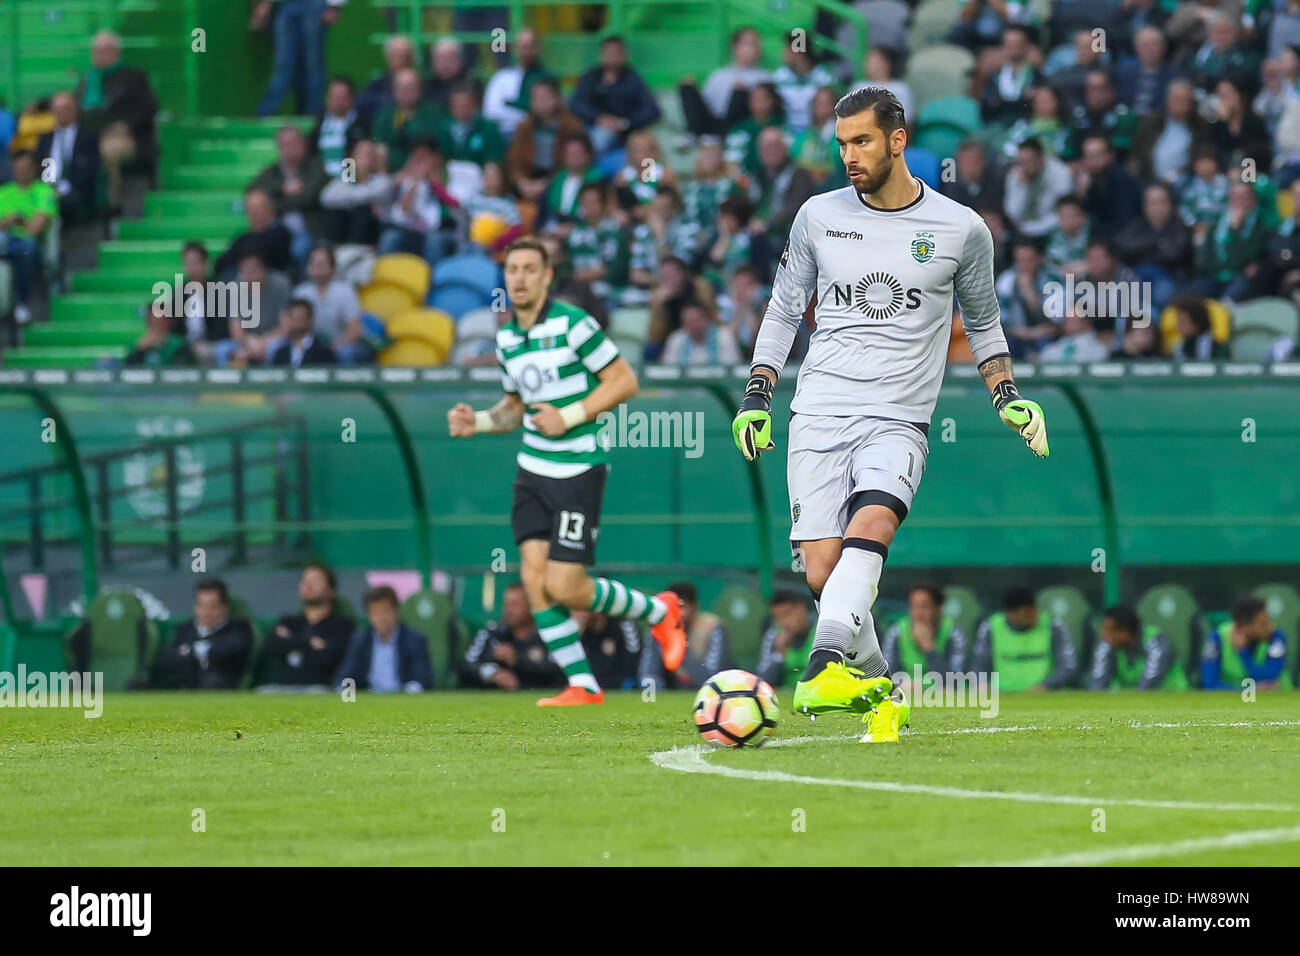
(618, 600)
(560, 633)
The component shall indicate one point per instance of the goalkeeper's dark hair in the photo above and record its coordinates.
(1016, 597)
(1246, 609)
(889, 112)
(1124, 617)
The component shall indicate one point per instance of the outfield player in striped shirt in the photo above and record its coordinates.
(559, 373)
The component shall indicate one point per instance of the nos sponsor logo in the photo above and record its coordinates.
(878, 296)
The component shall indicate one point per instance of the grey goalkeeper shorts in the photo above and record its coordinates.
(834, 458)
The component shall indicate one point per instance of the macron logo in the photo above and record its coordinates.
(841, 234)
(102, 909)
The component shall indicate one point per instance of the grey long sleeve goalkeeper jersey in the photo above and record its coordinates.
(884, 281)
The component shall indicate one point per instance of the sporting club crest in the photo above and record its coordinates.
(923, 247)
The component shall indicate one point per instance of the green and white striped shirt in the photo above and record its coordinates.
(556, 361)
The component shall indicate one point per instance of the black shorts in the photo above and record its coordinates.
(563, 511)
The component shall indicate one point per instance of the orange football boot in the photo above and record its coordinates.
(669, 632)
(573, 696)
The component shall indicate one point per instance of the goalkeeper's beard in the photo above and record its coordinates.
(875, 178)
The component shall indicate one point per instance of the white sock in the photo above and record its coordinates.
(845, 621)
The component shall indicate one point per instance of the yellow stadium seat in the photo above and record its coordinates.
(405, 271)
(1220, 325)
(1285, 204)
(433, 326)
(410, 353)
(387, 300)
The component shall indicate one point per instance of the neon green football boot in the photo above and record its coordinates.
(887, 718)
(840, 689)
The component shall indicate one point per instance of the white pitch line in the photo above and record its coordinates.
(691, 760)
(1131, 725)
(1151, 851)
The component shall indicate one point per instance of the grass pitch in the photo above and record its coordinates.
(491, 779)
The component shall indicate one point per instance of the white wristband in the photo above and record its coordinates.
(483, 422)
(573, 415)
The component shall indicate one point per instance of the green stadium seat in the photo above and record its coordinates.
(1283, 603)
(1172, 609)
(932, 21)
(434, 616)
(742, 610)
(963, 606)
(959, 112)
(1069, 604)
(120, 647)
(629, 323)
(1271, 313)
(937, 73)
(1251, 345)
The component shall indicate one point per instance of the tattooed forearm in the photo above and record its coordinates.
(507, 414)
(999, 365)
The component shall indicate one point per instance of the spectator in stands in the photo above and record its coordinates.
(301, 345)
(422, 218)
(28, 206)
(250, 335)
(741, 308)
(1130, 656)
(1067, 244)
(1164, 143)
(1100, 115)
(709, 185)
(294, 183)
(725, 96)
(1111, 196)
(797, 80)
(510, 654)
(1104, 271)
(353, 206)
(339, 128)
(1195, 337)
(495, 219)
(1079, 339)
(162, 343)
(707, 646)
(612, 99)
(1247, 647)
(1271, 101)
(816, 150)
(925, 639)
(733, 244)
(1021, 292)
(676, 286)
(1280, 272)
(117, 101)
(211, 651)
(766, 110)
(1222, 56)
(612, 645)
(449, 72)
(1228, 258)
(299, 31)
(1071, 80)
(1139, 342)
(975, 181)
(307, 647)
(265, 238)
(1006, 93)
(508, 96)
(702, 340)
(881, 67)
(1203, 196)
(1235, 131)
(336, 308)
(1284, 31)
(73, 151)
(778, 188)
(996, 219)
(981, 23)
(1141, 80)
(534, 152)
(399, 55)
(466, 134)
(1028, 648)
(1158, 246)
(203, 328)
(665, 231)
(407, 121)
(642, 172)
(1045, 123)
(1033, 185)
(594, 241)
(787, 640)
(560, 205)
(386, 656)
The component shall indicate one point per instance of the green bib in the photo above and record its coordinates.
(1230, 670)
(1021, 658)
(911, 656)
(1129, 672)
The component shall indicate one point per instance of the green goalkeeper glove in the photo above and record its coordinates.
(752, 426)
(1022, 416)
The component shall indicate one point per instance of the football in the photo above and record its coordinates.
(735, 709)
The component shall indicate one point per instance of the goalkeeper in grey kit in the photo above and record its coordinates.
(884, 257)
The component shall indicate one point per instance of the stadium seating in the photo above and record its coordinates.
(963, 606)
(432, 326)
(743, 611)
(1069, 604)
(1283, 604)
(631, 324)
(1220, 324)
(939, 72)
(943, 124)
(404, 271)
(932, 21)
(119, 637)
(434, 616)
(1172, 609)
(387, 300)
(1258, 323)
